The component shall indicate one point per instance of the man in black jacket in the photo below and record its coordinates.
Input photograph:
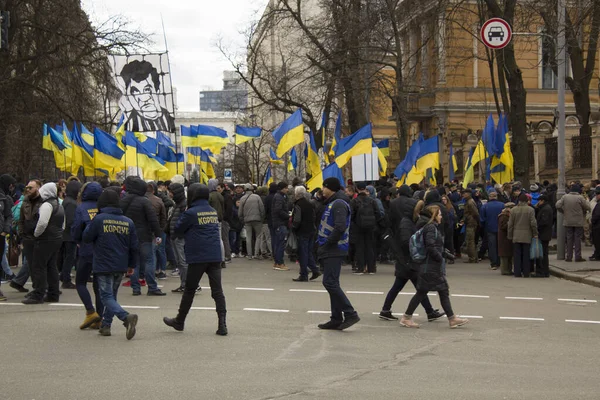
(268, 202)
(6, 183)
(280, 217)
(69, 245)
(403, 206)
(303, 225)
(544, 224)
(139, 209)
(365, 219)
(227, 215)
(596, 227)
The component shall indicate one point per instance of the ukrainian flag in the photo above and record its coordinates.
(46, 141)
(107, 153)
(337, 135)
(174, 162)
(149, 144)
(211, 138)
(332, 170)
(502, 168)
(452, 164)
(289, 134)
(189, 136)
(164, 140)
(200, 157)
(83, 155)
(384, 147)
(293, 164)
(87, 136)
(244, 134)
(403, 169)
(356, 144)
(382, 162)
(313, 162)
(58, 148)
(268, 177)
(150, 164)
(477, 155)
(429, 154)
(273, 159)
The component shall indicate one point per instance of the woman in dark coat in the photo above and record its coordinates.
(505, 247)
(544, 218)
(431, 274)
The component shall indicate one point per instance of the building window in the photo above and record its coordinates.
(549, 78)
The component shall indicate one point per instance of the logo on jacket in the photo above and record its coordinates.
(112, 226)
(208, 217)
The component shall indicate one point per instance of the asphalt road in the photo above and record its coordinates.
(519, 343)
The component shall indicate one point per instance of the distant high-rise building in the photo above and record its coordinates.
(233, 97)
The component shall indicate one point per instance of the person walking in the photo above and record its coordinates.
(84, 214)
(303, 225)
(505, 247)
(48, 235)
(595, 226)
(216, 198)
(115, 243)
(332, 241)
(431, 274)
(203, 252)
(177, 192)
(281, 215)
(489, 221)
(69, 245)
(6, 217)
(574, 208)
(471, 220)
(366, 218)
(252, 212)
(160, 256)
(544, 220)
(268, 203)
(227, 215)
(522, 227)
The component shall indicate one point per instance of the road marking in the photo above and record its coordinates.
(359, 292)
(255, 288)
(142, 307)
(204, 308)
(11, 304)
(318, 312)
(66, 304)
(471, 316)
(266, 310)
(579, 300)
(523, 318)
(581, 321)
(309, 290)
(524, 298)
(475, 296)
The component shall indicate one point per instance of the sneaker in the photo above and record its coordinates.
(233, 255)
(387, 316)
(142, 282)
(199, 289)
(3, 297)
(281, 267)
(104, 331)
(90, 319)
(175, 272)
(180, 289)
(407, 322)
(455, 322)
(156, 292)
(348, 322)
(18, 287)
(127, 284)
(331, 324)
(301, 279)
(315, 275)
(173, 323)
(249, 257)
(68, 285)
(129, 324)
(161, 275)
(436, 314)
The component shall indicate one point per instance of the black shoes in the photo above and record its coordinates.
(315, 275)
(137, 293)
(161, 275)
(30, 300)
(173, 323)
(156, 292)
(538, 275)
(348, 322)
(180, 289)
(129, 324)
(300, 279)
(68, 285)
(222, 329)
(331, 324)
(104, 331)
(18, 287)
(387, 316)
(580, 260)
(50, 299)
(436, 314)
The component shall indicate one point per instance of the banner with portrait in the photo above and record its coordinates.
(146, 100)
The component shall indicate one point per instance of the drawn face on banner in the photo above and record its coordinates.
(142, 83)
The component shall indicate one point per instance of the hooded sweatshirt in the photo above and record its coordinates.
(70, 205)
(51, 221)
(138, 208)
(84, 214)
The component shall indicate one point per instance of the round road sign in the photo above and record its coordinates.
(496, 33)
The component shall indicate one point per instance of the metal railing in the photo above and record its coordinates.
(551, 145)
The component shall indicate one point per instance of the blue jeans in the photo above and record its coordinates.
(109, 286)
(279, 248)
(145, 268)
(83, 273)
(340, 305)
(492, 238)
(23, 274)
(234, 241)
(5, 266)
(161, 254)
(306, 257)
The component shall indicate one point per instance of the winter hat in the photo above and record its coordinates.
(248, 187)
(534, 188)
(178, 179)
(5, 182)
(332, 184)
(108, 198)
(493, 194)
(576, 188)
(361, 185)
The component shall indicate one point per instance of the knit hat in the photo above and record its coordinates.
(361, 185)
(332, 184)
(534, 188)
(178, 179)
(108, 198)
(248, 187)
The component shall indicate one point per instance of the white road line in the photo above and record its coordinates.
(471, 316)
(475, 296)
(205, 287)
(318, 312)
(204, 308)
(11, 304)
(309, 290)
(581, 321)
(66, 304)
(255, 288)
(142, 307)
(359, 292)
(522, 318)
(524, 298)
(266, 310)
(579, 300)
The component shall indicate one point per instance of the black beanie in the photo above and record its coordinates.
(108, 198)
(332, 184)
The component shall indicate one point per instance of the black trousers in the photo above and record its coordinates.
(44, 273)
(542, 265)
(397, 288)
(422, 294)
(194, 274)
(365, 250)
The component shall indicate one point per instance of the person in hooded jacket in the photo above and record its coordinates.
(84, 214)
(366, 218)
(6, 184)
(48, 239)
(268, 203)
(280, 218)
(216, 199)
(227, 215)
(200, 226)
(177, 191)
(114, 238)
(69, 245)
(433, 198)
(431, 274)
(137, 207)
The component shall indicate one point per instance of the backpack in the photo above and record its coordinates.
(365, 215)
(416, 245)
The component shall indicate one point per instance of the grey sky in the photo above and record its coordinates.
(193, 28)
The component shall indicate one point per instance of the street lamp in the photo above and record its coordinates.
(562, 59)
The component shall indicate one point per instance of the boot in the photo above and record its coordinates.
(407, 322)
(222, 330)
(455, 322)
(91, 317)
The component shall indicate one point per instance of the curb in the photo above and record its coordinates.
(574, 277)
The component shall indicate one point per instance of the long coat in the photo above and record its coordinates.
(431, 274)
(522, 226)
(505, 247)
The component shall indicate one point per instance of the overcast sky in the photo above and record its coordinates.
(193, 28)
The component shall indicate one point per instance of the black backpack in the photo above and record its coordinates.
(365, 214)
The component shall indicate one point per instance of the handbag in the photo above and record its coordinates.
(292, 243)
(536, 251)
(14, 252)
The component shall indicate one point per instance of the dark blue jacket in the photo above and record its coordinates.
(115, 241)
(84, 213)
(489, 215)
(200, 226)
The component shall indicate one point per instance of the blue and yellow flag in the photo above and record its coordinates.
(360, 142)
(337, 135)
(404, 168)
(502, 165)
(313, 163)
(189, 136)
(293, 163)
(149, 144)
(82, 155)
(452, 164)
(332, 170)
(477, 155)
(384, 146)
(174, 162)
(150, 164)
(244, 134)
(289, 134)
(200, 157)
(211, 138)
(59, 149)
(273, 159)
(107, 153)
(87, 136)
(382, 162)
(46, 141)
(164, 140)
(268, 177)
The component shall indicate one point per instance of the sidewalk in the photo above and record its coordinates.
(583, 272)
